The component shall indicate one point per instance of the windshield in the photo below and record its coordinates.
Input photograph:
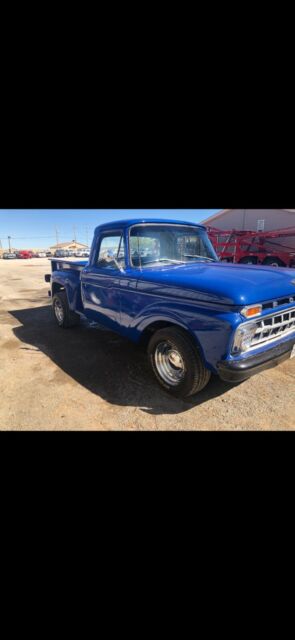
(174, 244)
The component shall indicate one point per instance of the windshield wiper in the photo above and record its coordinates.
(191, 255)
(163, 260)
(170, 260)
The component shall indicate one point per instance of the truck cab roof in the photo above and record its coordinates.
(122, 224)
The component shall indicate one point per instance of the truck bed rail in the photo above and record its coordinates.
(61, 263)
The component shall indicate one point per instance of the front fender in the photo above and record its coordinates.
(211, 330)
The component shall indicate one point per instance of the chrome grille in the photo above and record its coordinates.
(270, 328)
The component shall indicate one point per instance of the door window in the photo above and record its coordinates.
(111, 252)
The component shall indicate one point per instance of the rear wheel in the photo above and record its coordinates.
(248, 260)
(64, 317)
(273, 262)
(176, 363)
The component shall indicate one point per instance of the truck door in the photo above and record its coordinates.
(100, 281)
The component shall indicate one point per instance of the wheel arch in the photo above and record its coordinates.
(56, 287)
(150, 327)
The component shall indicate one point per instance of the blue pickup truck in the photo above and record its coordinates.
(159, 282)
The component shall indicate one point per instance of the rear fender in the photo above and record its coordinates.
(70, 282)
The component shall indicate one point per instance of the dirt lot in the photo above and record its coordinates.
(89, 378)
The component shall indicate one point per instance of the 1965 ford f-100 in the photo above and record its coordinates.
(160, 282)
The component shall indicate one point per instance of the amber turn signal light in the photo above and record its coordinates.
(252, 311)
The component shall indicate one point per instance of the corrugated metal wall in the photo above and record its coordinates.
(248, 218)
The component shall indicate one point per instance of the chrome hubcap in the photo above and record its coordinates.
(169, 363)
(58, 310)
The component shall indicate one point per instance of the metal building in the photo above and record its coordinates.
(252, 219)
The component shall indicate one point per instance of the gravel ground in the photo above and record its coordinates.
(90, 378)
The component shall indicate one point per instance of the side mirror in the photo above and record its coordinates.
(109, 258)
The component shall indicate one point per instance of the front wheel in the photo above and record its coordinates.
(176, 363)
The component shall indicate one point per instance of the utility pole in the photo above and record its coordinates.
(9, 238)
(56, 235)
(74, 232)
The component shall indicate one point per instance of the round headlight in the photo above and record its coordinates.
(243, 337)
(246, 342)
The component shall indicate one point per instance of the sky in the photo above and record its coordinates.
(31, 229)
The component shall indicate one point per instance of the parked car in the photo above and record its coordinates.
(61, 253)
(48, 253)
(9, 256)
(79, 253)
(196, 314)
(24, 254)
(41, 254)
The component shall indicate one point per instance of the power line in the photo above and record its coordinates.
(26, 237)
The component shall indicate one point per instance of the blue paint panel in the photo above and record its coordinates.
(101, 296)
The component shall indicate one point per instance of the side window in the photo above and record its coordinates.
(111, 252)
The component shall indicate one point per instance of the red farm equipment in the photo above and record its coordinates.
(273, 248)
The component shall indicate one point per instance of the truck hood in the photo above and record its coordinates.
(219, 282)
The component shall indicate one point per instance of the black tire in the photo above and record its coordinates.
(194, 374)
(66, 318)
(249, 260)
(273, 262)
